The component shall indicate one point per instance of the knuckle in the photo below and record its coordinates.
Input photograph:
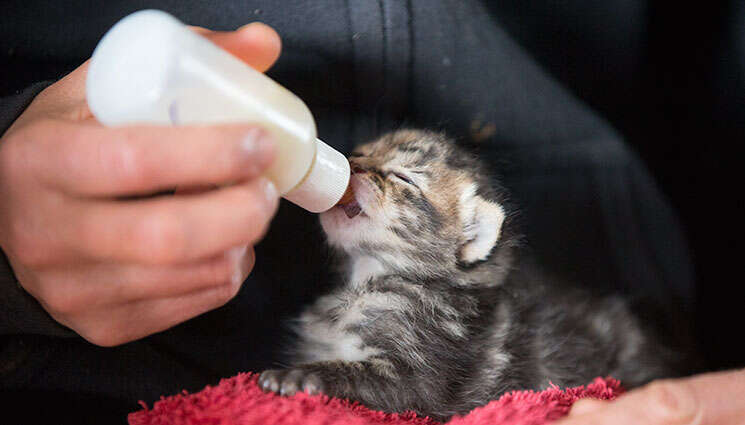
(103, 335)
(672, 401)
(60, 302)
(26, 247)
(160, 238)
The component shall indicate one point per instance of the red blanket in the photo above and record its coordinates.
(238, 401)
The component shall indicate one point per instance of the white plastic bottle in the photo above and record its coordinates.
(151, 68)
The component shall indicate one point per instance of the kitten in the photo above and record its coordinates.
(437, 313)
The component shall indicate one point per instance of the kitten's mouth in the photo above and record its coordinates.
(349, 204)
(351, 209)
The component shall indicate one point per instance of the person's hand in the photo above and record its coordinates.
(709, 399)
(86, 239)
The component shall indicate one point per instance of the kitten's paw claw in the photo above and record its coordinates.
(290, 381)
(312, 384)
(270, 380)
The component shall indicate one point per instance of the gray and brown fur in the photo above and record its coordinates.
(437, 312)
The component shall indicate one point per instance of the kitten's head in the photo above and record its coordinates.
(422, 206)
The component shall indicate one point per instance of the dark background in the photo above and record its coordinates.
(670, 77)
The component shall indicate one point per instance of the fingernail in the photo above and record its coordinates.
(257, 150)
(236, 256)
(270, 192)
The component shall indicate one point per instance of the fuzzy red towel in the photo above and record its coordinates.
(238, 401)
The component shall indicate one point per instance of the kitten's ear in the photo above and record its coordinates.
(482, 224)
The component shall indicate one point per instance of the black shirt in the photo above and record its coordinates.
(590, 210)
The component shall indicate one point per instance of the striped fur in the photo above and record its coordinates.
(438, 312)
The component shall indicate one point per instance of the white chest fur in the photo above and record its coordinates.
(325, 332)
(325, 329)
(363, 269)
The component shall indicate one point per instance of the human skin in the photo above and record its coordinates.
(706, 399)
(86, 237)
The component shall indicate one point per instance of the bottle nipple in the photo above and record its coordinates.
(347, 197)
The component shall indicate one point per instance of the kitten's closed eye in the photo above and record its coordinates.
(404, 178)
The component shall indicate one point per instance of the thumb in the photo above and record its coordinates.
(713, 398)
(256, 44)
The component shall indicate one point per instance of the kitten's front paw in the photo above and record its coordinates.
(287, 382)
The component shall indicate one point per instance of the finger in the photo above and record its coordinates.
(73, 290)
(96, 161)
(586, 405)
(143, 282)
(256, 44)
(174, 229)
(720, 397)
(715, 398)
(655, 404)
(114, 326)
(640, 407)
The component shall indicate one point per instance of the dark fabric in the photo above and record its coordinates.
(590, 210)
(671, 77)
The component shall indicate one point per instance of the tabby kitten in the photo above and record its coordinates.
(437, 313)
